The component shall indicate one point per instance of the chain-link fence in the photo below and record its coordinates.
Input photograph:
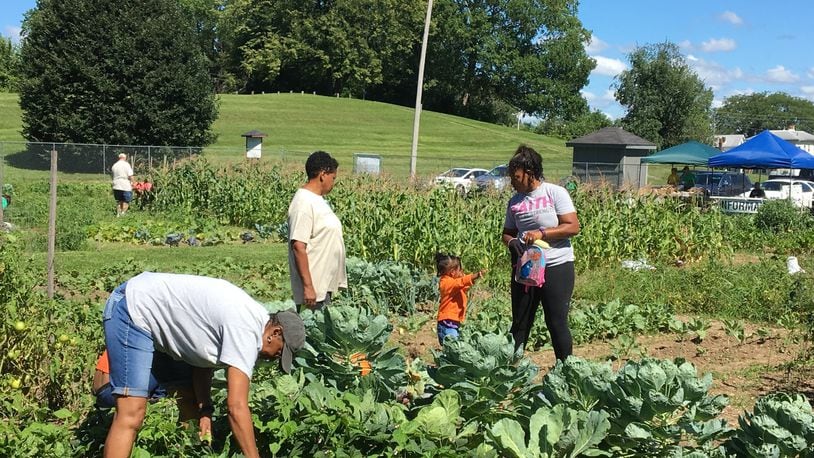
(89, 158)
(27, 174)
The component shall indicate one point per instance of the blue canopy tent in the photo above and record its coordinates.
(764, 151)
(691, 153)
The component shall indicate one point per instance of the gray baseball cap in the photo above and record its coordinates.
(293, 337)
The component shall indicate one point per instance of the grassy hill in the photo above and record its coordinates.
(10, 118)
(298, 124)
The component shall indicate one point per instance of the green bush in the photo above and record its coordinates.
(761, 291)
(387, 220)
(48, 345)
(781, 215)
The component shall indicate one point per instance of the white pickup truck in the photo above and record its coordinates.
(802, 192)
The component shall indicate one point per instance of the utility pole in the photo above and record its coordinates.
(419, 90)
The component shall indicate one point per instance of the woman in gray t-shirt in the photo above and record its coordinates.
(541, 211)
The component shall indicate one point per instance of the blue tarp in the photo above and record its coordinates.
(692, 152)
(764, 151)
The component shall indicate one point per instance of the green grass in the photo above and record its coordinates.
(10, 118)
(163, 258)
(300, 124)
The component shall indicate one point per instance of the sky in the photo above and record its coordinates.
(735, 46)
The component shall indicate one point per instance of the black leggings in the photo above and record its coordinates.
(555, 295)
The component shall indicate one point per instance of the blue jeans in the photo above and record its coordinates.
(447, 328)
(135, 368)
(122, 196)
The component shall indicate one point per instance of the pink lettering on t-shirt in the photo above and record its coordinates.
(528, 205)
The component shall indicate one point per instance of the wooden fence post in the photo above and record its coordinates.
(52, 222)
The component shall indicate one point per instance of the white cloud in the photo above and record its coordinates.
(591, 97)
(607, 66)
(810, 73)
(595, 45)
(13, 33)
(716, 103)
(807, 90)
(714, 74)
(718, 44)
(686, 45)
(748, 91)
(731, 17)
(606, 103)
(781, 74)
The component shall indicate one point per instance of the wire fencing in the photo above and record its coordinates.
(50, 185)
(29, 163)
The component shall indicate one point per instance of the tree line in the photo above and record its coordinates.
(486, 59)
(146, 72)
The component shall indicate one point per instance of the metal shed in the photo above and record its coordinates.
(611, 155)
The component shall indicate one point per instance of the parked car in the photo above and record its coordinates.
(496, 179)
(459, 178)
(802, 192)
(723, 183)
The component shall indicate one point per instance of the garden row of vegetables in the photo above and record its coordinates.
(356, 393)
(385, 219)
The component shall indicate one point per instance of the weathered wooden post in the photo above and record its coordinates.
(52, 222)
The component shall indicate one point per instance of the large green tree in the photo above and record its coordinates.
(490, 58)
(9, 65)
(487, 59)
(667, 103)
(754, 113)
(207, 21)
(581, 125)
(340, 46)
(114, 71)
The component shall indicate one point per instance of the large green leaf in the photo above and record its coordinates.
(491, 378)
(511, 438)
(781, 425)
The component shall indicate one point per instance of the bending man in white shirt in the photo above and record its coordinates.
(204, 322)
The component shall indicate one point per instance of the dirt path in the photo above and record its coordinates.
(741, 371)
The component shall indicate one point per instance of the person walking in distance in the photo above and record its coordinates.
(122, 184)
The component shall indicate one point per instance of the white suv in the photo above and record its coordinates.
(459, 178)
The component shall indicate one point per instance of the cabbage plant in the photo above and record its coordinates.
(348, 350)
(492, 379)
(780, 425)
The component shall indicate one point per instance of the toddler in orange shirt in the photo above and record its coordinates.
(453, 285)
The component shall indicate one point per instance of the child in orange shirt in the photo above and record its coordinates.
(453, 285)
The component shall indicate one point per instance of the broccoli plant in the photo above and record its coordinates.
(654, 405)
(492, 379)
(348, 350)
(780, 425)
(552, 432)
(387, 286)
(735, 329)
(436, 430)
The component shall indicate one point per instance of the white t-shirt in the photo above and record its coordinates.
(205, 322)
(121, 176)
(539, 209)
(311, 221)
